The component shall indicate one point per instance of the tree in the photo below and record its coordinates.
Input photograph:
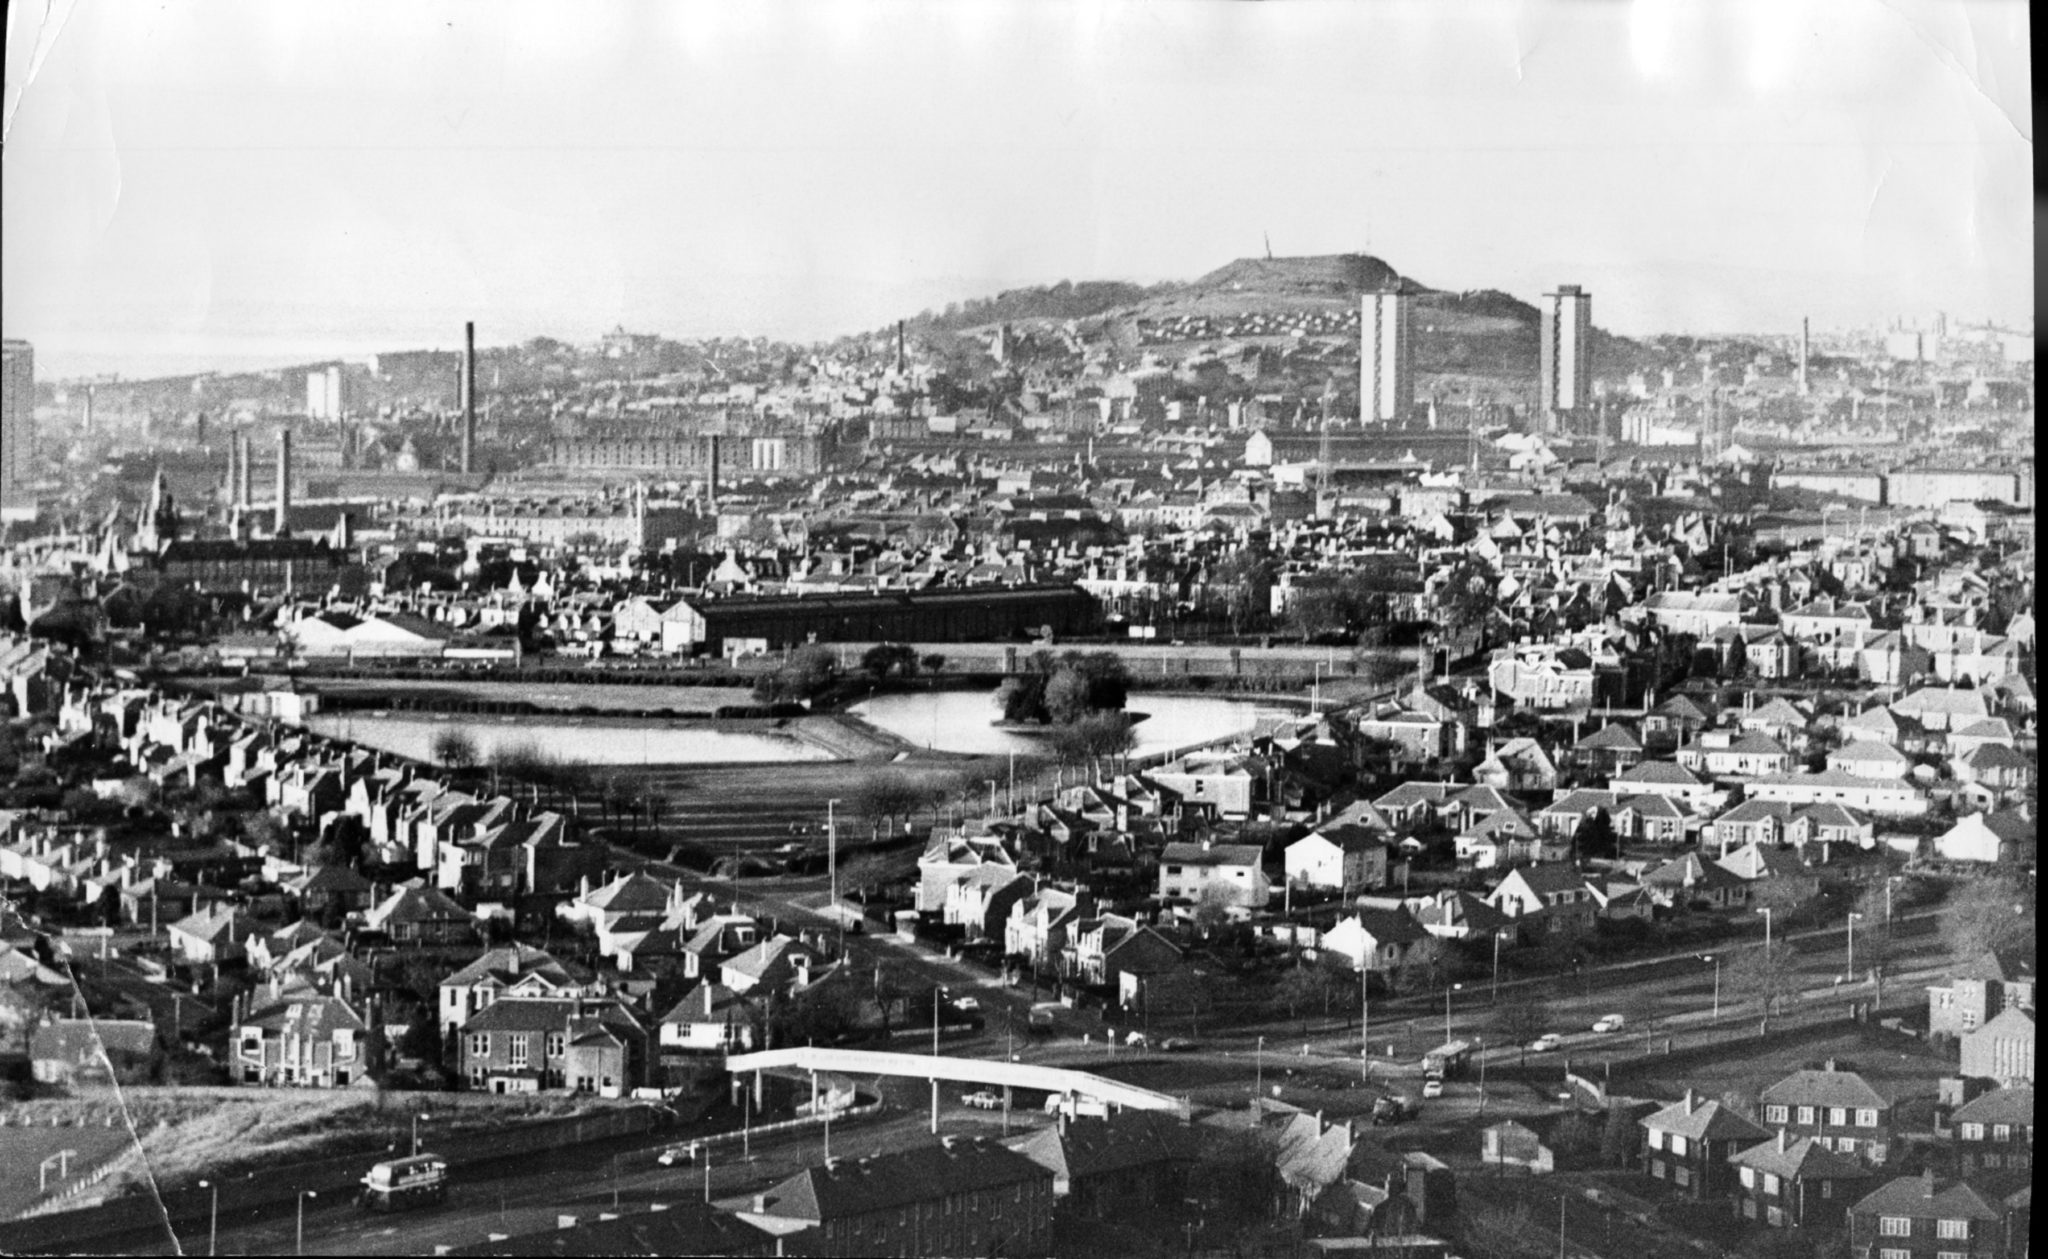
(1617, 1138)
(934, 663)
(886, 797)
(1985, 915)
(1302, 987)
(1596, 837)
(864, 873)
(1520, 1020)
(1212, 908)
(1497, 1230)
(808, 673)
(454, 748)
(1769, 977)
(1425, 966)
(882, 659)
(1066, 697)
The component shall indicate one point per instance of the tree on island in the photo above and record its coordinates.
(808, 673)
(454, 748)
(882, 659)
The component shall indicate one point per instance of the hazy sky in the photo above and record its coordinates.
(208, 182)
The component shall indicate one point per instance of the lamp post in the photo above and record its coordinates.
(1259, 1076)
(1766, 912)
(1849, 935)
(938, 995)
(1495, 998)
(1316, 704)
(1365, 1013)
(1716, 960)
(212, 1218)
(299, 1246)
(1448, 990)
(416, 1121)
(991, 799)
(832, 855)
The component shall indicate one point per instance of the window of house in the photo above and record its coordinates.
(521, 1046)
(1838, 1116)
(1891, 1253)
(1952, 1230)
(1827, 1188)
(1775, 1114)
(1656, 1139)
(2001, 1132)
(557, 1044)
(1682, 1174)
(1775, 1216)
(1677, 1144)
(1894, 1226)
(1866, 1118)
(1806, 1114)
(1973, 1132)
(479, 1044)
(1749, 1178)
(1771, 1183)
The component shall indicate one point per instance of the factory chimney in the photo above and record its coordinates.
(468, 391)
(900, 360)
(280, 523)
(1805, 346)
(245, 476)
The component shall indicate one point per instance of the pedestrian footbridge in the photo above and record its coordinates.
(860, 1063)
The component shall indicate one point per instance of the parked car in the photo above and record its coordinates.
(1177, 1045)
(678, 1155)
(982, 1099)
(1545, 1043)
(1433, 1087)
(967, 1005)
(1610, 1023)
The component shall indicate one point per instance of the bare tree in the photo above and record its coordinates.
(454, 748)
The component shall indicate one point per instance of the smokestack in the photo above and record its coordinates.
(279, 524)
(900, 361)
(468, 397)
(1805, 345)
(245, 475)
(711, 472)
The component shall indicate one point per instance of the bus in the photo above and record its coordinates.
(398, 1183)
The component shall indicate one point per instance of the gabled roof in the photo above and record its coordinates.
(840, 1188)
(1825, 1088)
(1703, 1121)
(1091, 1146)
(2013, 1105)
(1924, 1197)
(1615, 737)
(1803, 1159)
(1660, 772)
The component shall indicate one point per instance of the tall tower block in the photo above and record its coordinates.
(468, 391)
(1564, 381)
(280, 523)
(1386, 358)
(18, 432)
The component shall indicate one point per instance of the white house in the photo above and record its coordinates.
(1188, 871)
(1337, 858)
(1888, 797)
(1968, 840)
(1374, 939)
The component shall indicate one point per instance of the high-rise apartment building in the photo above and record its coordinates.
(1565, 357)
(1386, 358)
(18, 432)
(327, 393)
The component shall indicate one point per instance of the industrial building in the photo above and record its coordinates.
(978, 614)
(769, 454)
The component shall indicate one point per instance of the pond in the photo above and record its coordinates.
(591, 741)
(962, 721)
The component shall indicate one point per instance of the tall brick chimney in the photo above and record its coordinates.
(468, 390)
(281, 521)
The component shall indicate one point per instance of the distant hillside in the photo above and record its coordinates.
(1482, 333)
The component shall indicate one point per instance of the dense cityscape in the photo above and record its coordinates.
(1289, 761)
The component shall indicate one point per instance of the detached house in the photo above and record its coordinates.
(1919, 1217)
(1795, 1183)
(1188, 871)
(1994, 1132)
(1337, 858)
(1554, 899)
(299, 1038)
(1836, 1108)
(1689, 1143)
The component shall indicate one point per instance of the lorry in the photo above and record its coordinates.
(398, 1183)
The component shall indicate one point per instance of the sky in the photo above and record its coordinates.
(200, 184)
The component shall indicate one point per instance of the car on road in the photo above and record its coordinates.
(678, 1155)
(1545, 1043)
(1178, 1045)
(1040, 1021)
(1433, 1087)
(967, 1005)
(1610, 1023)
(982, 1099)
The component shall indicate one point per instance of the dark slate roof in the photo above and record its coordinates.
(1825, 1088)
(1704, 1121)
(684, 1228)
(842, 1188)
(2014, 1105)
(1803, 1159)
(1924, 1197)
(1090, 1146)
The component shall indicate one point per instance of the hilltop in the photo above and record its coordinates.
(1482, 335)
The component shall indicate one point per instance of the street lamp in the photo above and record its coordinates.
(1766, 912)
(300, 1246)
(991, 799)
(1715, 959)
(212, 1218)
(1495, 998)
(938, 996)
(416, 1121)
(1448, 990)
(832, 854)
(1365, 1011)
(1316, 704)
(1259, 1077)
